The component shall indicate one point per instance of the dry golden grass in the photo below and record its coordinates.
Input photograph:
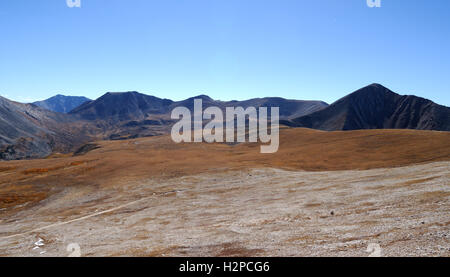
(119, 162)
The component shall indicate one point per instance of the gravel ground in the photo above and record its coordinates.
(256, 212)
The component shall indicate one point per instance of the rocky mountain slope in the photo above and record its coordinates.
(28, 131)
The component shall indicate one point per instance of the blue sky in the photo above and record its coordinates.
(228, 49)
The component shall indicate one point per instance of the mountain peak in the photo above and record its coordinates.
(377, 85)
(377, 107)
(374, 87)
(129, 105)
(122, 92)
(370, 93)
(61, 103)
(204, 97)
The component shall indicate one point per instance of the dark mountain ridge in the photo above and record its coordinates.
(124, 115)
(136, 106)
(376, 107)
(122, 106)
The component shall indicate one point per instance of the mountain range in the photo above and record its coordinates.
(131, 114)
(136, 106)
(60, 125)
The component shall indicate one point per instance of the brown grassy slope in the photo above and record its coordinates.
(118, 162)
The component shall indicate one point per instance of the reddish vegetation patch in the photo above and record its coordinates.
(235, 250)
(14, 199)
(77, 163)
(7, 168)
(51, 169)
(36, 171)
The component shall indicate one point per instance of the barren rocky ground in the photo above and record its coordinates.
(257, 212)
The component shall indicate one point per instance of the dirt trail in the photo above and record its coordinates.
(84, 217)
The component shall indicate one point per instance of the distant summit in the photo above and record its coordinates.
(377, 107)
(122, 106)
(61, 103)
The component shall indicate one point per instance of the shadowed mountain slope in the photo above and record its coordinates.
(288, 108)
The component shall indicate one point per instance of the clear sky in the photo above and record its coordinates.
(228, 49)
